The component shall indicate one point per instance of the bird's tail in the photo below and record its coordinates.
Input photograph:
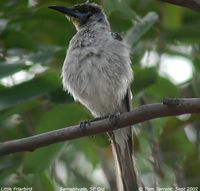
(121, 141)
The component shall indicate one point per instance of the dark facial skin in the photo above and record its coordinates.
(78, 14)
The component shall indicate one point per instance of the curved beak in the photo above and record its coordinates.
(67, 11)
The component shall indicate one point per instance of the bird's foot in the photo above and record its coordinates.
(84, 124)
(171, 101)
(114, 118)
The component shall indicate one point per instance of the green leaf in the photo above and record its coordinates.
(44, 182)
(172, 16)
(7, 69)
(143, 78)
(41, 159)
(28, 90)
(187, 34)
(117, 17)
(62, 116)
(191, 170)
(44, 54)
(141, 27)
(13, 39)
(8, 166)
(88, 147)
(162, 88)
(121, 6)
(175, 146)
(46, 20)
(59, 117)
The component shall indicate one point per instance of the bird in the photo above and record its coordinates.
(97, 73)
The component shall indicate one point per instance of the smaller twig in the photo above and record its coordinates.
(191, 4)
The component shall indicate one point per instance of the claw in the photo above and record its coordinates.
(114, 118)
(171, 101)
(84, 124)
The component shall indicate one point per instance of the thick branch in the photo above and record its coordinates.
(192, 4)
(138, 115)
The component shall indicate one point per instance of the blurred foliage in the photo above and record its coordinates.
(33, 42)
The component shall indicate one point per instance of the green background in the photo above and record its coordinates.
(33, 43)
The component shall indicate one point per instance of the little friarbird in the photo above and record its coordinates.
(97, 72)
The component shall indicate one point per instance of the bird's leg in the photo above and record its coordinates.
(86, 123)
(113, 118)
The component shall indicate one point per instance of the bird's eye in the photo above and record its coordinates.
(76, 11)
(89, 14)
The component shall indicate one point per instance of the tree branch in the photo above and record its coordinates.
(138, 115)
(191, 4)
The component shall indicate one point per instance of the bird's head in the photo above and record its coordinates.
(82, 14)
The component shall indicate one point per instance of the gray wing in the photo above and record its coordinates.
(122, 146)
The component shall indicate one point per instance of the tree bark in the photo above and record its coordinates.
(191, 4)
